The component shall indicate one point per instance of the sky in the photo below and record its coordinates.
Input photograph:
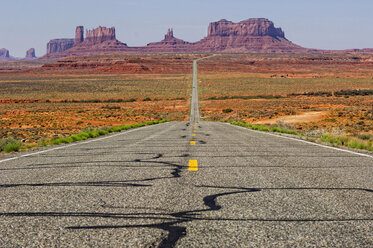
(322, 24)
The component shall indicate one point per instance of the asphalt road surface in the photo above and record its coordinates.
(187, 184)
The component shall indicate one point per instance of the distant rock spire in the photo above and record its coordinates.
(79, 34)
(170, 34)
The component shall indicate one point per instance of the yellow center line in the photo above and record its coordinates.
(193, 165)
(194, 135)
(192, 143)
(194, 131)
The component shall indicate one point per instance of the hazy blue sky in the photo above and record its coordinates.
(324, 24)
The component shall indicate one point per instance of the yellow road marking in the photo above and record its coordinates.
(194, 131)
(192, 143)
(193, 165)
(194, 135)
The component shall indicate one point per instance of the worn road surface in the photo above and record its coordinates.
(187, 184)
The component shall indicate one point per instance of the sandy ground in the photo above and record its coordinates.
(302, 117)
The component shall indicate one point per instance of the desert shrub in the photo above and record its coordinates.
(317, 93)
(353, 93)
(245, 97)
(110, 107)
(365, 136)
(357, 145)
(228, 110)
(282, 130)
(342, 140)
(146, 99)
(265, 128)
(12, 147)
(9, 145)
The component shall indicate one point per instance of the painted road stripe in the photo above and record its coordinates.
(194, 131)
(192, 143)
(194, 135)
(193, 165)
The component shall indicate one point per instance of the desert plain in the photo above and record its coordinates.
(318, 96)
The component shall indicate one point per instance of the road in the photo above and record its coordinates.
(194, 107)
(187, 184)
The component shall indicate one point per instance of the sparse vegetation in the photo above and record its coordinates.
(12, 145)
(9, 145)
(358, 142)
(100, 132)
(228, 110)
(274, 129)
(244, 97)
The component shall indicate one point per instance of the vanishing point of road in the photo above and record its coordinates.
(187, 184)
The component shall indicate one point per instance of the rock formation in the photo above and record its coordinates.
(255, 35)
(30, 54)
(59, 45)
(99, 35)
(169, 35)
(79, 34)
(168, 44)
(4, 54)
(249, 27)
(97, 41)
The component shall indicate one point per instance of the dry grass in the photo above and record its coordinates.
(36, 107)
(256, 77)
(75, 94)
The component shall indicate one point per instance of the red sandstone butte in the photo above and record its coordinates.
(4, 54)
(254, 35)
(30, 54)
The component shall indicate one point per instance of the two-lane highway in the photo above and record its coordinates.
(135, 190)
(187, 184)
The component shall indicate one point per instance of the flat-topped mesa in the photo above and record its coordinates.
(4, 53)
(99, 35)
(59, 45)
(79, 34)
(249, 27)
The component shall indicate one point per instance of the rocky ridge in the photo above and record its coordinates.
(254, 35)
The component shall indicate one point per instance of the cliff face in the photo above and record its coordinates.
(30, 54)
(98, 40)
(4, 54)
(59, 45)
(99, 35)
(249, 27)
(257, 35)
